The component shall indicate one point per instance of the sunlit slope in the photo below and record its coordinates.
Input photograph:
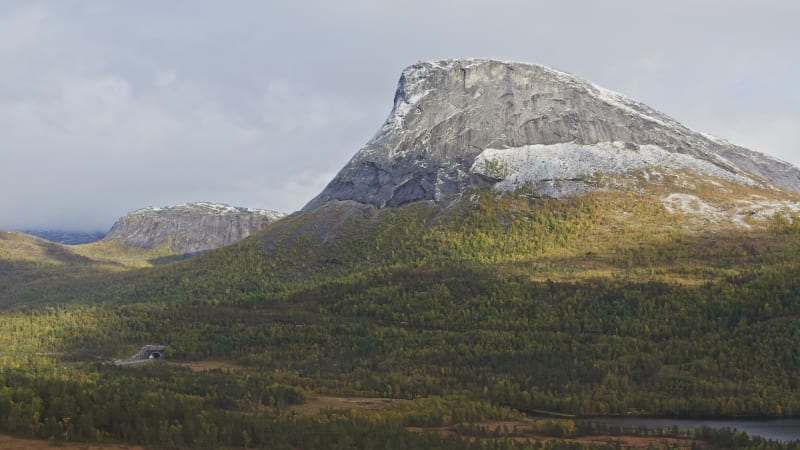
(638, 232)
(24, 248)
(651, 231)
(127, 256)
(19, 247)
(34, 270)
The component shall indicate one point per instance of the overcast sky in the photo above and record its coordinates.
(109, 106)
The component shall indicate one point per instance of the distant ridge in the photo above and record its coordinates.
(67, 237)
(190, 228)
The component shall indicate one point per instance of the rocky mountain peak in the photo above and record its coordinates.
(483, 122)
(190, 228)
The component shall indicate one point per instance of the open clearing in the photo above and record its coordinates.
(319, 405)
(521, 429)
(202, 366)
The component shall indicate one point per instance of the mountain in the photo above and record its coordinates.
(67, 237)
(464, 134)
(190, 228)
(474, 122)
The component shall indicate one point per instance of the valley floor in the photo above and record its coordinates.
(632, 442)
(14, 443)
(422, 331)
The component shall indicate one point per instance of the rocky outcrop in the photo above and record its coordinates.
(457, 123)
(190, 228)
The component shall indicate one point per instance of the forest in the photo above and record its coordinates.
(501, 310)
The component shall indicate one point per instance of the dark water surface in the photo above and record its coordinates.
(784, 430)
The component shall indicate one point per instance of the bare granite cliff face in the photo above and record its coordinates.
(190, 228)
(457, 123)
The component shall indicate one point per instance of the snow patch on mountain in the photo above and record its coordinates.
(743, 213)
(715, 139)
(569, 162)
(210, 208)
(411, 89)
(689, 204)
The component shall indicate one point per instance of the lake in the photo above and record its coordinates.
(784, 430)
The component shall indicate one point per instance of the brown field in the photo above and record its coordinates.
(318, 405)
(521, 429)
(14, 443)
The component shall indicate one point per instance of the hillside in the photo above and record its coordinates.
(451, 306)
(20, 247)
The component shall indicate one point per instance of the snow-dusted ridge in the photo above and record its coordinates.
(525, 166)
(211, 208)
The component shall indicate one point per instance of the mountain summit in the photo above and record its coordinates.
(459, 123)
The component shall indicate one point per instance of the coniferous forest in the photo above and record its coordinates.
(503, 323)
